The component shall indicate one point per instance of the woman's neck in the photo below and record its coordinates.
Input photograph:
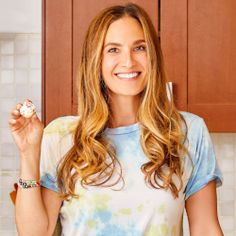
(124, 110)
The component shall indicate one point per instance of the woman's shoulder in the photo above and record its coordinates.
(195, 124)
(192, 120)
(62, 125)
(190, 117)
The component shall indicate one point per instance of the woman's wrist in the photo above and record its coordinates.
(32, 153)
(30, 167)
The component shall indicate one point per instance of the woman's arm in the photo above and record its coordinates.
(201, 209)
(37, 211)
(36, 208)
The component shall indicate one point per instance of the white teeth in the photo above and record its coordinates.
(128, 76)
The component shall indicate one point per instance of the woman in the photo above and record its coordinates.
(129, 163)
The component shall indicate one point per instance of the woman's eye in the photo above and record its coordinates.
(140, 48)
(113, 50)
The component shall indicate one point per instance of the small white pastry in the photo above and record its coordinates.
(28, 109)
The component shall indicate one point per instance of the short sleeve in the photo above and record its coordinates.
(205, 166)
(49, 160)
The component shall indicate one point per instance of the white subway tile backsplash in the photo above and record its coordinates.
(35, 76)
(17, 162)
(6, 104)
(6, 179)
(21, 61)
(226, 194)
(35, 61)
(227, 151)
(7, 76)
(5, 136)
(228, 223)
(35, 36)
(35, 92)
(7, 91)
(22, 37)
(8, 149)
(225, 146)
(229, 179)
(7, 223)
(22, 92)
(228, 165)
(227, 208)
(8, 233)
(5, 116)
(16, 79)
(21, 76)
(35, 46)
(230, 233)
(21, 46)
(7, 62)
(7, 209)
(7, 47)
(7, 163)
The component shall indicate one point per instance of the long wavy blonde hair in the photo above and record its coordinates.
(92, 159)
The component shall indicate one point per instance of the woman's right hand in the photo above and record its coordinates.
(27, 132)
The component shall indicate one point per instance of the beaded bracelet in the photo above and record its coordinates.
(28, 183)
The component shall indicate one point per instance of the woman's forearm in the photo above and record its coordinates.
(31, 215)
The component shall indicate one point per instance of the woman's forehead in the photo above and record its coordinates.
(123, 29)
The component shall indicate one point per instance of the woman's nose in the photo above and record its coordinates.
(127, 59)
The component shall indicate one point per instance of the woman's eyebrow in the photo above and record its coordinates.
(118, 44)
(139, 41)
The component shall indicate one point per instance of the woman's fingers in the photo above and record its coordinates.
(12, 122)
(16, 112)
(18, 106)
(15, 115)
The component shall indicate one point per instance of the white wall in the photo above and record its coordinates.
(20, 16)
(20, 78)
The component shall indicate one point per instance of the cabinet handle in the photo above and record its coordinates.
(169, 88)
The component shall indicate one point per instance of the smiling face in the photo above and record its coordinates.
(124, 59)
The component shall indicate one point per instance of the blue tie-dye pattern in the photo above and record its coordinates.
(115, 230)
(102, 215)
(133, 231)
(49, 181)
(112, 230)
(81, 220)
(119, 216)
(205, 164)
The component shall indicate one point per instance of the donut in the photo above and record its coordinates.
(28, 109)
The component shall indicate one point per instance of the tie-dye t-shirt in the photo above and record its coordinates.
(137, 209)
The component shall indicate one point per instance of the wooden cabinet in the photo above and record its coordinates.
(197, 38)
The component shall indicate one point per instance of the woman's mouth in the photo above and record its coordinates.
(128, 76)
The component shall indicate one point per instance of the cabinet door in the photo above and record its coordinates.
(64, 25)
(56, 59)
(212, 62)
(173, 33)
(198, 39)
